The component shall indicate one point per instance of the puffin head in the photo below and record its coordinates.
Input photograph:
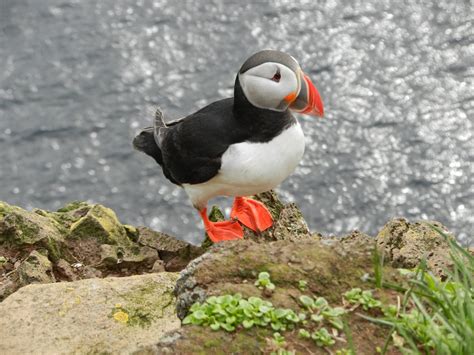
(273, 80)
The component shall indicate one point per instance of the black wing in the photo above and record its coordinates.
(192, 148)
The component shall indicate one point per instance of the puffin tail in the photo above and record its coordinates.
(145, 142)
(159, 122)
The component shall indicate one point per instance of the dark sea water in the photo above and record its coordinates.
(79, 78)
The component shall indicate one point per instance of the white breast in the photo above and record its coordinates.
(249, 168)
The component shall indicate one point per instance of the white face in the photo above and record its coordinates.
(268, 84)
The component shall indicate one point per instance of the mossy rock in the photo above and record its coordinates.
(329, 269)
(21, 230)
(229, 266)
(20, 227)
(36, 268)
(101, 223)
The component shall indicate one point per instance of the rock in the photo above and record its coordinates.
(291, 225)
(22, 229)
(227, 267)
(176, 254)
(158, 266)
(101, 223)
(64, 271)
(36, 268)
(405, 244)
(112, 315)
(288, 222)
(132, 232)
(113, 256)
(8, 286)
(88, 236)
(89, 272)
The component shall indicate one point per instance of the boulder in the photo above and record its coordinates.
(101, 223)
(96, 316)
(405, 244)
(20, 229)
(175, 253)
(36, 268)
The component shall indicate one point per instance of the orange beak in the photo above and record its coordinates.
(308, 100)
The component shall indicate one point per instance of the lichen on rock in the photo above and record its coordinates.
(406, 244)
(101, 223)
(78, 317)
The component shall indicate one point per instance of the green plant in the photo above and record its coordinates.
(322, 337)
(363, 298)
(230, 311)
(302, 285)
(303, 333)
(279, 339)
(264, 281)
(321, 310)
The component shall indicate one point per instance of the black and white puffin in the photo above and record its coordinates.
(238, 146)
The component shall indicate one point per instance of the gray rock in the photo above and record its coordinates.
(405, 244)
(112, 315)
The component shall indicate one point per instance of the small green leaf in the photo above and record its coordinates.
(215, 326)
(302, 284)
(303, 333)
(227, 327)
(199, 314)
(337, 323)
(188, 319)
(248, 323)
(320, 303)
(308, 302)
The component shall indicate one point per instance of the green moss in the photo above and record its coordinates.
(24, 232)
(132, 232)
(145, 304)
(54, 249)
(5, 209)
(74, 205)
(212, 343)
(100, 222)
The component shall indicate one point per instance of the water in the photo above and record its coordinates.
(79, 78)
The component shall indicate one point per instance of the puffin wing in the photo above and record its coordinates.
(192, 147)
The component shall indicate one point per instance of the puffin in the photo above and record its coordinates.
(238, 146)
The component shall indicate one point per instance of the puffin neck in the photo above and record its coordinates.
(258, 119)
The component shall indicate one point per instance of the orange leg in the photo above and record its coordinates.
(219, 231)
(252, 214)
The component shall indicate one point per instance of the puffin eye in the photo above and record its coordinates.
(277, 76)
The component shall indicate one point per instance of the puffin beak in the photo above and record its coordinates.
(308, 100)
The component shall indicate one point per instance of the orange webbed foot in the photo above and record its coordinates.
(252, 214)
(219, 231)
